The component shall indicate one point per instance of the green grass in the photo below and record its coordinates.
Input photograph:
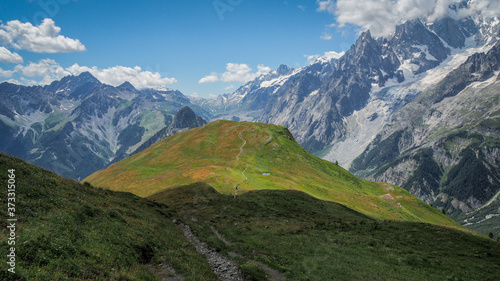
(208, 154)
(73, 231)
(309, 239)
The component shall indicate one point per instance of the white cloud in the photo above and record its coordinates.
(43, 38)
(7, 56)
(311, 58)
(381, 16)
(327, 56)
(13, 81)
(229, 87)
(236, 72)
(326, 6)
(326, 36)
(487, 8)
(262, 69)
(213, 77)
(29, 82)
(303, 8)
(49, 70)
(6, 73)
(117, 75)
(333, 55)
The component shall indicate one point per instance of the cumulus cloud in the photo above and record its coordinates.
(6, 73)
(117, 75)
(47, 70)
(236, 72)
(381, 16)
(213, 77)
(333, 55)
(487, 8)
(327, 56)
(7, 56)
(43, 38)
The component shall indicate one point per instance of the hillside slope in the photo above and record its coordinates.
(256, 156)
(72, 231)
(289, 235)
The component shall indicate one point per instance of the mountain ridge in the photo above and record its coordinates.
(79, 120)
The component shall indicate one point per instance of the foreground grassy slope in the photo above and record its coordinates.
(221, 151)
(303, 238)
(68, 230)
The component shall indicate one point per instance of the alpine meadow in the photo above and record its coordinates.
(250, 140)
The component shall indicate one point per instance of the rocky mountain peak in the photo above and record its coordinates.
(126, 86)
(186, 118)
(284, 70)
(87, 76)
(74, 86)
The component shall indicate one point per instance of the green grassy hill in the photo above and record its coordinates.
(68, 231)
(299, 237)
(73, 231)
(256, 156)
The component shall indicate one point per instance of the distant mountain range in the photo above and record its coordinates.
(78, 125)
(419, 109)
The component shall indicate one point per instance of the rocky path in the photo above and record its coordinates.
(241, 148)
(246, 167)
(272, 274)
(223, 267)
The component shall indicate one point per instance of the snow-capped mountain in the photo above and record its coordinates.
(78, 125)
(344, 108)
(443, 146)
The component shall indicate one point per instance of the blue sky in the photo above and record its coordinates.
(184, 40)
(200, 47)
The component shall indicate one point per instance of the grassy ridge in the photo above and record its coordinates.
(209, 153)
(68, 230)
(304, 238)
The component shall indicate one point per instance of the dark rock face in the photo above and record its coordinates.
(185, 119)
